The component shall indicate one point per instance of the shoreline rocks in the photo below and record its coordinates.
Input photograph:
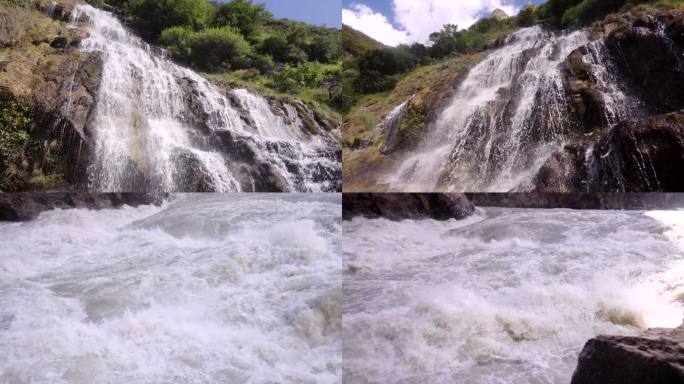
(401, 206)
(654, 357)
(27, 206)
(607, 201)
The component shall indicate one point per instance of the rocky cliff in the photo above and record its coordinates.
(642, 153)
(594, 110)
(654, 357)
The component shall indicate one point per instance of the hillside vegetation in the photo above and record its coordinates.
(240, 41)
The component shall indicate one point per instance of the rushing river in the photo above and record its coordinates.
(205, 289)
(506, 296)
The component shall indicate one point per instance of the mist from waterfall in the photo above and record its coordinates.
(147, 137)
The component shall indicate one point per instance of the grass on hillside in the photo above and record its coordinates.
(316, 98)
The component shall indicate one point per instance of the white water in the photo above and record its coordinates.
(488, 140)
(506, 296)
(206, 289)
(141, 127)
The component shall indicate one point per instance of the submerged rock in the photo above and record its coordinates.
(654, 357)
(400, 206)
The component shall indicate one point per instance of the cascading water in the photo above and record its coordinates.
(509, 114)
(147, 137)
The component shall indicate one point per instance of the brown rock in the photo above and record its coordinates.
(655, 357)
(400, 206)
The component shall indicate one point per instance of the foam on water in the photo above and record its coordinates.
(507, 296)
(207, 289)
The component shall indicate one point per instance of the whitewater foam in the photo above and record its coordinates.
(509, 295)
(205, 289)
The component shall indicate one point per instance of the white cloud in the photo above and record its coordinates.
(419, 18)
(375, 25)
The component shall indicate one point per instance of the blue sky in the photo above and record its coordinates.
(318, 12)
(403, 21)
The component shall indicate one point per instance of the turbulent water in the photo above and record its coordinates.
(506, 296)
(205, 289)
(509, 114)
(145, 139)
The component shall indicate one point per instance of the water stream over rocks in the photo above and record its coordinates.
(158, 126)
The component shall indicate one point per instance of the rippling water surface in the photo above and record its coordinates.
(205, 289)
(506, 296)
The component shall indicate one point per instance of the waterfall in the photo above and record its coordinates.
(160, 126)
(508, 115)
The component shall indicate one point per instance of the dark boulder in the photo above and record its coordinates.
(638, 155)
(27, 206)
(614, 201)
(654, 357)
(649, 52)
(643, 155)
(400, 206)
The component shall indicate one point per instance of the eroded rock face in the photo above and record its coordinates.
(655, 357)
(639, 155)
(649, 52)
(27, 206)
(400, 206)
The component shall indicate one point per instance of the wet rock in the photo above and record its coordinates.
(613, 201)
(27, 206)
(654, 357)
(400, 206)
(639, 155)
(643, 155)
(649, 53)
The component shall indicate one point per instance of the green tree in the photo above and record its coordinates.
(277, 46)
(177, 40)
(219, 49)
(246, 17)
(151, 17)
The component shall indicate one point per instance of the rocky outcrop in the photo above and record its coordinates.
(614, 201)
(60, 84)
(499, 14)
(639, 155)
(654, 357)
(649, 51)
(27, 206)
(400, 206)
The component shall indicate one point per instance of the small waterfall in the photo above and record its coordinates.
(50, 9)
(156, 125)
(390, 126)
(509, 114)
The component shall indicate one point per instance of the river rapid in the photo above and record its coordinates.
(505, 296)
(204, 289)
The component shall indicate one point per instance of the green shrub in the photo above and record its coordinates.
(263, 63)
(177, 41)
(151, 17)
(15, 120)
(219, 48)
(277, 47)
(309, 75)
(246, 17)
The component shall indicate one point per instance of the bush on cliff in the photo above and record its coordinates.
(151, 17)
